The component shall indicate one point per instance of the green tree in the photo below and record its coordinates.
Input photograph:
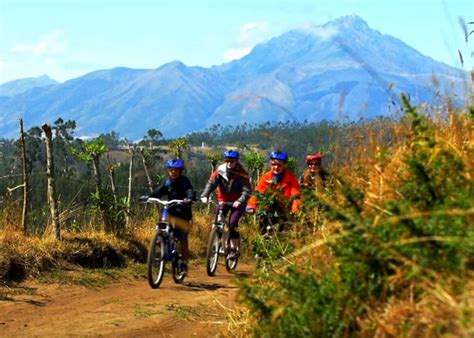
(113, 215)
(177, 146)
(255, 163)
(214, 159)
(150, 153)
(63, 132)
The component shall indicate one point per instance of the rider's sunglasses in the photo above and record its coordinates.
(230, 161)
(276, 164)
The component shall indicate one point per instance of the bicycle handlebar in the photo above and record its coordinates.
(162, 202)
(219, 203)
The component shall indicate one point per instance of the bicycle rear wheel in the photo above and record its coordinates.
(212, 253)
(156, 260)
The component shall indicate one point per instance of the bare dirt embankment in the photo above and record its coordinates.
(195, 308)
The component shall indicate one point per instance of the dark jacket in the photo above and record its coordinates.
(232, 185)
(180, 188)
(317, 181)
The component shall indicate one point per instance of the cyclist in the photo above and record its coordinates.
(280, 183)
(314, 176)
(233, 186)
(178, 186)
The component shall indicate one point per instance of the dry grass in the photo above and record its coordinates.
(21, 257)
(438, 313)
(364, 159)
(444, 310)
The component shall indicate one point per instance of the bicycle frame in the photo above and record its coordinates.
(165, 241)
(271, 223)
(165, 229)
(218, 243)
(221, 223)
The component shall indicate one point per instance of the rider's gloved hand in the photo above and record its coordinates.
(236, 204)
(250, 210)
(143, 199)
(204, 199)
(187, 201)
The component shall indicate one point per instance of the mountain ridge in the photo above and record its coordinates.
(340, 68)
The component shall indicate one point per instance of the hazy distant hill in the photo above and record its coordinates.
(19, 86)
(342, 68)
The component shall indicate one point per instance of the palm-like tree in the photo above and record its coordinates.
(177, 146)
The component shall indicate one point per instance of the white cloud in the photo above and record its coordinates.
(249, 34)
(50, 61)
(323, 33)
(253, 32)
(3, 65)
(51, 43)
(236, 53)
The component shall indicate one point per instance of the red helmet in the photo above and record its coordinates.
(315, 157)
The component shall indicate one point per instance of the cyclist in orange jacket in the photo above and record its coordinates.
(284, 186)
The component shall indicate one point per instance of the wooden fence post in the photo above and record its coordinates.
(24, 213)
(131, 150)
(145, 167)
(52, 199)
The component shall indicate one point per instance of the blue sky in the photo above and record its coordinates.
(69, 38)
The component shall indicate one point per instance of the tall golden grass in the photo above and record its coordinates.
(372, 159)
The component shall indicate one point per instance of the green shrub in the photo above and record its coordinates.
(420, 235)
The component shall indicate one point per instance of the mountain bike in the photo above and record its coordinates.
(269, 245)
(219, 243)
(164, 247)
(269, 224)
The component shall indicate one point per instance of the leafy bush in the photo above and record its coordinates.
(405, 232)
(114, 210)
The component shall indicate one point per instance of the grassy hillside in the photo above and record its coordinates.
(386, 250)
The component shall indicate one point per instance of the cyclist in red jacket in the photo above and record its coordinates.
(233, 186)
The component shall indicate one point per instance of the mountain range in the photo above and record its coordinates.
(340, 70)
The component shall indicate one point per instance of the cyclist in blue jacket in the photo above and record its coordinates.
(178, 186)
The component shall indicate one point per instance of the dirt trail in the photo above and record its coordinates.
(127, 308)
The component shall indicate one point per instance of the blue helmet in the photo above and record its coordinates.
(278, 155)
(175, 163)
(232, 154)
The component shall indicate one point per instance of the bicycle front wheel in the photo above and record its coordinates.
(231, 263)
(156, 260)
(212, 253)
(231, 258)
(176, 265)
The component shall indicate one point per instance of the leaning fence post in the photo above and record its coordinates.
(52, 199)
(25, 179)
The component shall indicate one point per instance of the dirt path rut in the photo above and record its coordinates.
(128, 308)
